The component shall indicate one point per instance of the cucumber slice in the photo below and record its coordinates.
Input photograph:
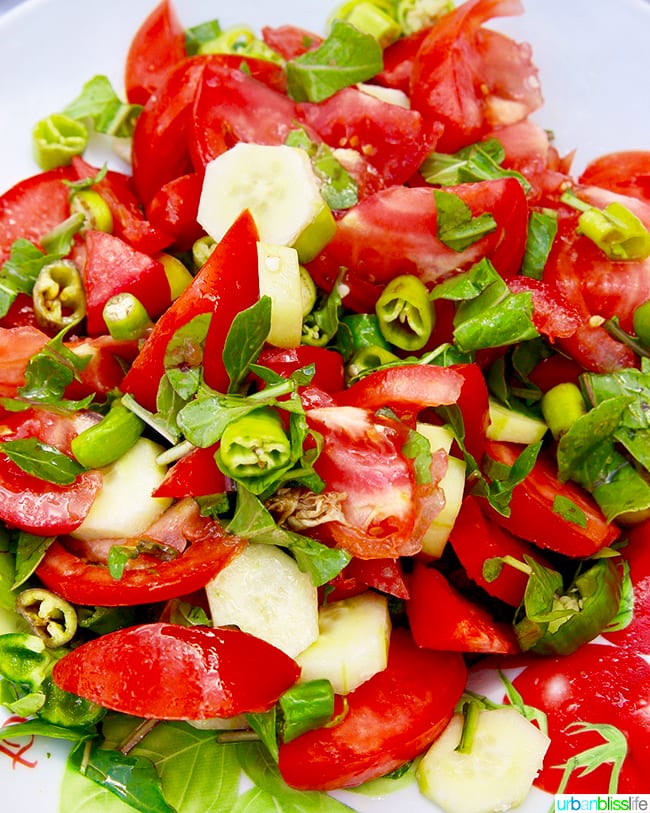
(513, 427)
(263, 591)
(388, 95)
(352, 644)
(124, 507)
(280, 279)
(279, 187)
(497, 774)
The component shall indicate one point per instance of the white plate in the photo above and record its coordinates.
(594, 62)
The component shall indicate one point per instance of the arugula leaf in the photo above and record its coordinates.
(456, 227)
(530, 713)
(42, 460)
(99, 102)
(59, 241)
(625, 614)
(542, 228)
(132, 778)
(39, 728)
(346, 57)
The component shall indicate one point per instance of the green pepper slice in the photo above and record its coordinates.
(58, 295)
(57, 139)
(254, 446)
(50, 617)
(405, 313)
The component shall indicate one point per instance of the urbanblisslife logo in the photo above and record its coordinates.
(602, 802)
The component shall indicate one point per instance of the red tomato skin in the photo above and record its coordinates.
(553, 315)
(596, 684)
(554, 370)
(90, 583)
(531, 509)
(157, 46)
(289, 40)
(636, 636)
(475, 539)
(398, 61)
(17, 346)
(113, 266)
(105, 369)
(194, 475)
(226, 283)
(33, 207)
(626, 172)
(174, 207)
(222, 672)
(420, 687)
(328, 364)
(441, 618)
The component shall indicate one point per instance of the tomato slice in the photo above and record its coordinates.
(419, 686)
(598, 684)
(157, 46)
(442, 618)
(194, 475)
(90, 583)
(289, 40)
(531, 509)
(17, 346)
(174, 207)
(626, 172)
(328, 364)
(188, 673)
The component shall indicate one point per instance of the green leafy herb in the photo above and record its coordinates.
(321, 324)
(456, 227)
(569, 511)
(20, 272)
(99, 102)
(346, 57)
(503, 479)
(245, 340)
(30, 550)
(613, 750)
(198, 35)
(338, 187)
(42, 460)
(120, 555)
(542, 228)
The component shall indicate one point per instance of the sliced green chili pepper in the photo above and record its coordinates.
(254, 446)
(641, 322)
(239, 40)
(24, 659)
(405, 313)
(551, 621)
(177, 274)
(50, 617)
(96, 212)
(67, 709)
(201, 250)
(562, 405)
(126, 317)
(108, 440)
(306, 706)
(368, 359)
(57, 139)
(58, 295)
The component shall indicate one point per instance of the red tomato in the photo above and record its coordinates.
(188, 673)
(442, 618)
(128, 221)
(113, 266)
(393, 139)
(21, 313)
(158, 45)
(420, 687)
(398, 61)
(475, 539)
(33, 207)
(531, 509)
(104, 370)
(553, 315)
(70, 574)
(471, 78)
(596, 684)
(554, 370)
(194, 475)
(626, 172)
(406, 389)
(290, 41)
(232, 106)
(367, 244)
(226, 284)
(35, 505)
(636, 636)
(327, 363)
(17, 346)
(385, 511)
(174, 207)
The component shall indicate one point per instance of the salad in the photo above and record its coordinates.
(330, 407)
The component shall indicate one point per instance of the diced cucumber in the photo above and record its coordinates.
(263, 591)
(388, 95)
(124, 507)
(496, 775)
(280, 279)
(452, 485)
(352, 644)
(513, 427)
(279, 187)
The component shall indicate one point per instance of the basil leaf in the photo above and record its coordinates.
(30, 550)
(542, 228)
(39, 728)
(503, 479)
(42, 460)
(245, 340)
(20, 272)
(456, 227)
(569, 511)
(7, 573)
(99, 102)
(346, 57)
(338, 187)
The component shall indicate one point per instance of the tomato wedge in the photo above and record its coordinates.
(420, 688)
(188, 673)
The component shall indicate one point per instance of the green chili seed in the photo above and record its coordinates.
(562, 405)
(126, 317)
(108, 440)
(405, 313)
(58, 295)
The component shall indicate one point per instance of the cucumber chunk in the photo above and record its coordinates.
(496, 775)
(124, 507)
(280, 279)
(279, 187)
(513, 427)
(352, 644)
(263, 591)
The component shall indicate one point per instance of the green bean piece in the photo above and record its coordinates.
(365, 331)
(57, 139)
(58, 295)
(96, 212)
(24, 659)
(126, 317)
(50, 617)
(254, 446)
(405, 313)
(641, 322)
(106, 441)
(562, 405)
